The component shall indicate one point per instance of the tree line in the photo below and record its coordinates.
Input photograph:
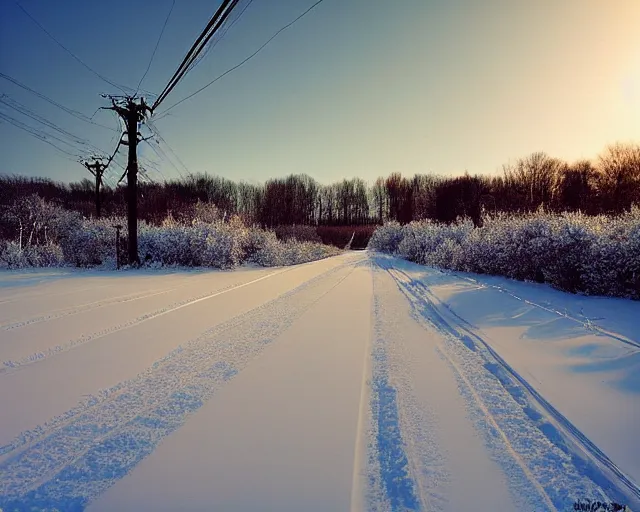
(609, 184)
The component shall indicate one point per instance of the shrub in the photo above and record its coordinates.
(571, 251)
(197, 242)
(387, 238)
(91, 243)
(268, 251)
(47, 255)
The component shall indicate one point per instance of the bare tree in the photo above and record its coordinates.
(618, 180)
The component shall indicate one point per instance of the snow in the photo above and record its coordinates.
(581, 353)
(269, 436)
(360, 382)
(448, 458)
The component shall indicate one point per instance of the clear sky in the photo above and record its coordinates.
(356, 88)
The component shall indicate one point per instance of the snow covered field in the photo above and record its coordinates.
(360, 382)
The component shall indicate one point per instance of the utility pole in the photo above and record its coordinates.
(97, 168)
(132, 113)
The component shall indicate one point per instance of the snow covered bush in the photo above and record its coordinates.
(612, 265)
(569, 244)
(12, 256)
(46, 255)
(40, 232)
(430, 243)
(57, 238)
(387, 238)
(263, 248)
(573, 252)
(294, 253)
(201, 244)
(258, 240)
(91, 242)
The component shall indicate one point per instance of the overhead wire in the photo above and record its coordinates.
(164, 26)
(212, 27)
(43, 133)
(37, 134)
(164, 112)
(149, 165)
(160, 138)
(117, 134)
(217, 25)
(70, 111)
(107, 182)
(22, 109)
(78, 59)
(224, 28)
(73, 140)
(160, 154)
(193, 52)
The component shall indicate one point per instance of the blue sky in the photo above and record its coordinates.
(356, 88)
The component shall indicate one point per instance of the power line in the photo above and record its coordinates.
(224, 29)
(74, 113)
(155, 131)
(145, 175)
(156, 47)
(107, 183)
(162, 155)
(18, 107)
(37, 134)
(245, 60)
(84, 64)
(120, 164)
(238, 18)
(42, 133)
(212, 27)
(149, 165)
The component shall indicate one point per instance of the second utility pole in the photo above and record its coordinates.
(96, 168)
(131, 113)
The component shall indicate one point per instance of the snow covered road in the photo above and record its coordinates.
(360, 383)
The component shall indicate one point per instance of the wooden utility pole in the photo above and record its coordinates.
(132, 113)
(97, 168)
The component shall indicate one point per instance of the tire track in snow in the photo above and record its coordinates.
(13, 365)
(426, 463)
(504, 372)
(515, 468)
(81, 308)
(358, 489)
(391, 486)
(31, 436)
(587, 460)
(71, 460)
